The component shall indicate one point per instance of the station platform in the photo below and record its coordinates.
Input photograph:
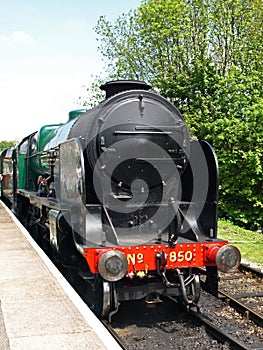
(39, 310)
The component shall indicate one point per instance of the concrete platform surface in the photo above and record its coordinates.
(38, 307)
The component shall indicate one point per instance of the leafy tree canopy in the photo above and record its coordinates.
(6, 144)
(206, 57)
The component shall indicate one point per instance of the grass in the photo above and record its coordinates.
(249, 243)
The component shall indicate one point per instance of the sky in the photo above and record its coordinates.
(48, 57)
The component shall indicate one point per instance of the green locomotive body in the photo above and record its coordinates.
(34, 153)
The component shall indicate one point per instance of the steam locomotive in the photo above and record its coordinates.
(125, 197)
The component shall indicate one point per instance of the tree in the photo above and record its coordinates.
(236, 132)
(162, 39)
(206, 58)
(6, 144)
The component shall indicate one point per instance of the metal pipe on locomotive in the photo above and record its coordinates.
(132, 201)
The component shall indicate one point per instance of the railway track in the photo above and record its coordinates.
(168, 325)
(252, 270)
(219, 339)
(244, 292)
(119, 340)
(218, 333)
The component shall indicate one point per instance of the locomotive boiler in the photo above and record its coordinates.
(130, 202)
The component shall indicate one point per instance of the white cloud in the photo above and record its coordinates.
(17, 37)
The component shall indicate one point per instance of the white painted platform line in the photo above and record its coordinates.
(84, 310)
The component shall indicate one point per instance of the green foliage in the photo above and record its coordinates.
(6, 144)
(239, 144)
(206, 58)
(230, 117)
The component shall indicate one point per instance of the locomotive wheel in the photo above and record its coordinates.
(102, 297)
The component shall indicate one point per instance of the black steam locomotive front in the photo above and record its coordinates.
(133, 203)
(137, 148)
(150, 193)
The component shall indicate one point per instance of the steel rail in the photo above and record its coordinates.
(254, 271)
(243, 309)
(240, 307)
(218, 333)
(114, 334)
